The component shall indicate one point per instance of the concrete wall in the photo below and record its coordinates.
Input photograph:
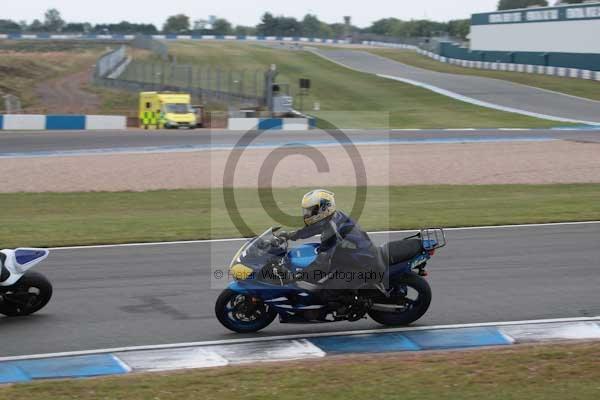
(104, 122)
(552, 59)
(24, 122)
(288, 124)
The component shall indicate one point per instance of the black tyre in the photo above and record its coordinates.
(29, 295)
(237, 312)
(415, 298)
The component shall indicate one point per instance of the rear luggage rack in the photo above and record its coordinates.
(433, 238)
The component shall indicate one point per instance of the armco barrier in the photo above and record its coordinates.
(498, 66)
(288, 124)
(109, 62)
(45, 36)
(25, 122)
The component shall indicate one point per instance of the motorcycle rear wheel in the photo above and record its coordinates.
(237, 312)
(29, 295)
(415, 309)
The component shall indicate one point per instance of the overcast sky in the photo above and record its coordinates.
(244, 12)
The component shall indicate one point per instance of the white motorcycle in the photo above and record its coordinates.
(22, 292)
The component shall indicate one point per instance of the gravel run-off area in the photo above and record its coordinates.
(473, 163)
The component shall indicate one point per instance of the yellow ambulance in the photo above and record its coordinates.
(160, 110)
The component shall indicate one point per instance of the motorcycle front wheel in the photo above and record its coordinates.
(411, 300)
(29, 295)
(241, 313)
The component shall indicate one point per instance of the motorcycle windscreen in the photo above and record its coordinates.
(24, 257)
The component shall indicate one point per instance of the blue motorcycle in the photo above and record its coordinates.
(265, 285)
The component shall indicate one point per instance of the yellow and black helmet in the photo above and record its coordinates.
(317, 205)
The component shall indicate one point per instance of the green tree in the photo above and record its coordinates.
(573, 1)
(241, 30)
(413, 28)
(36, 26)
(267, 25)
(459, 28)
(289, 26)
(338, 30)
(8, 26)
(177, 24)
(385, 26)
(279, 26)
(325, 31)
(222, 27)
(53, 21)
(77, 27)
(514, 4)
(311, 26)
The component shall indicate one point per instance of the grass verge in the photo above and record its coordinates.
(521, 372)
(114, 101)
(60, 219)
(373, 102)
(576, 87)
(24, 65)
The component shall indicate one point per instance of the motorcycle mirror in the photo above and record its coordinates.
(276, 228)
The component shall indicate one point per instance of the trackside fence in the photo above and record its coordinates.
(116, 70)
(205, 95)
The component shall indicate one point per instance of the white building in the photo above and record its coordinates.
(560, 29)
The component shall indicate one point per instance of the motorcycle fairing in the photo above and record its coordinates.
(303, 256)
(19, 261)
(26, 258)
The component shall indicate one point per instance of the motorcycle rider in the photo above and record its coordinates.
(345, 248)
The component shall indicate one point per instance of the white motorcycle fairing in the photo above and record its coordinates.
(19, 261)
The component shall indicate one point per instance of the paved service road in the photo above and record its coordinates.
(56, 141)
(144, 295)
(499, 92)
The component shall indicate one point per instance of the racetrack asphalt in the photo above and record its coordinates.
(494, 91)
(110, 297)
(24, 143)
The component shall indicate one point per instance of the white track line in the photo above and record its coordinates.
(481, 103)
(457, 96)
(467, 228)
(298, 336)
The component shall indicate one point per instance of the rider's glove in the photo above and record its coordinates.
(285, 235)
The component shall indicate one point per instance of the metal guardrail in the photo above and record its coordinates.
(564, 72)
(110, 61)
